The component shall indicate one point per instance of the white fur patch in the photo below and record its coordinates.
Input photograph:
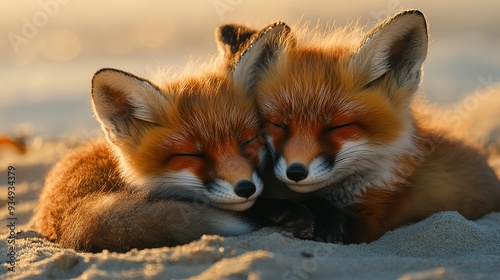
(186, 185)
(222, 194)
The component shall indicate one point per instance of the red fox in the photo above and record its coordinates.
(191, 140)
(341, 122)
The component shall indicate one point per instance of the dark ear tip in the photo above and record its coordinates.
(95, 78)
(227, 29)
(411, 12)
(103, 70)
(225, 32)
(100, 72)
(229, 33)
(106, 69)
(416, 12)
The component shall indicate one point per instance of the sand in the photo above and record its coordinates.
(443, 246)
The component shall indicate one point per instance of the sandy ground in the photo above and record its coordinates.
(444, 246)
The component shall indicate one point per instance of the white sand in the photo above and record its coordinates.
(444, 246)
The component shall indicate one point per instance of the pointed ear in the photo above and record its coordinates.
(123, 103)
(398, 46)
(231, 38)
(265, 46)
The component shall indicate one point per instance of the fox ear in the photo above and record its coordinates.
(124, 103)
(397, 46)
(266, 45)
(231, 38)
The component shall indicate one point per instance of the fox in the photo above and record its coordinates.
(342, 120)
(179, 159)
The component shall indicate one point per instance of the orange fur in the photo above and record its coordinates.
(338, 116)
(177, 155)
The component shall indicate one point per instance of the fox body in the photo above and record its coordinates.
(341, 121)
(179, 161)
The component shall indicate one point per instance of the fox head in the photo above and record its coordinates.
(196, 138)
(335, 108)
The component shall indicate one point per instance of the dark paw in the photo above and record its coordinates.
(294, 218)
(329, 221)
(288, 215)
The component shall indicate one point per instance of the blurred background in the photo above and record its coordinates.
(49, 49)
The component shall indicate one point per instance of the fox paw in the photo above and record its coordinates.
(296, 219)
(329, 221)
(287, 215)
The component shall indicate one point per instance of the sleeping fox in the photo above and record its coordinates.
(341, 122)
(166, 145)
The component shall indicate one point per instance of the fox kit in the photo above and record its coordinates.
(341, 123)
(179, 161)
(167, 145)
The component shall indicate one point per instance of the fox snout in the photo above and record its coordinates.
(237, 171)
(235, 184)
(297, 172)
(304, 176)
(299, 153)
(245, 188)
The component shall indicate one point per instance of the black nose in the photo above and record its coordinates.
(296, 172)
(245, 189)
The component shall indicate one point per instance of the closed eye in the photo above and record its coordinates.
(282, 126)
(250, 147)
(250, 140)
(339, 126)
(198, 155)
